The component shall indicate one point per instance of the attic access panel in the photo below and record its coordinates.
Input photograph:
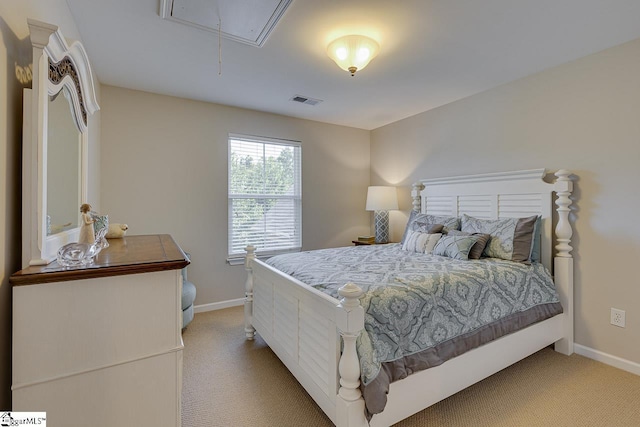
(244, 21)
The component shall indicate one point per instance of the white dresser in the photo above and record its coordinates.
(102, 346)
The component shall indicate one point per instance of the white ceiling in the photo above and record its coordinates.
(432, 52)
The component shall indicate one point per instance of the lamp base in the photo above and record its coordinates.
(381, 221)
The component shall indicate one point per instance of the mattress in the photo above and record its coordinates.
(420, 309)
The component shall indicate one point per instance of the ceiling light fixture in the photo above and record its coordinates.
(353, 53)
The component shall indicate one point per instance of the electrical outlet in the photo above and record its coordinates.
(617, 317)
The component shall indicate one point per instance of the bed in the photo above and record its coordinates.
(315, 333)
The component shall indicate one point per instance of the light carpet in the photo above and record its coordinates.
(228, 381)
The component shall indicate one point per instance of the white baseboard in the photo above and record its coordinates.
(608, 359)
(218, 305)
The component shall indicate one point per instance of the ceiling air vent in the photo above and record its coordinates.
(306, 100)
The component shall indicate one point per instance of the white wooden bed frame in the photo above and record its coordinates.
(304, 326)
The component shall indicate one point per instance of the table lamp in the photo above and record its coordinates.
(381, 199)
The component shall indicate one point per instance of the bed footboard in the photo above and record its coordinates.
(305, 327)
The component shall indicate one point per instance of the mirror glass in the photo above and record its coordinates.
(63, 166)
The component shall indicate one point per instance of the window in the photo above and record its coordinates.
(265, 195)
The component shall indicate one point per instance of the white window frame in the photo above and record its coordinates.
(235, 258)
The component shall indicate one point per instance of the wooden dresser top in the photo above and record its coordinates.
(129, 255)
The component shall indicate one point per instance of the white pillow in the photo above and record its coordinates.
(420, 242)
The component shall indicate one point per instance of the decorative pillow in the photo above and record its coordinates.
(456, 247)
(421, 242)
(478, 248)
(424, 222)
(535, 245)
(436, 228)
(511, 238)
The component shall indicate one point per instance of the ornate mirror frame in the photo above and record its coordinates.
(56, 67)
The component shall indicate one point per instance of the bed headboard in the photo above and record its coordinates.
(503, 195)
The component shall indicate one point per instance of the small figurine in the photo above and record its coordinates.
(87, 234)
(117, 231)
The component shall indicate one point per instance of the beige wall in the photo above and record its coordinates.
(15, 49)
(164, 170)
(583, 116)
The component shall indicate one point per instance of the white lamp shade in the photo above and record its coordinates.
(382, 198)
(352, 53)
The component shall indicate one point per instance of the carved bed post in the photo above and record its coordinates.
(350, 321)
(249, 330)
(416, 188)
(563, 261)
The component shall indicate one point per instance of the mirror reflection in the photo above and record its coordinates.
(63, 166)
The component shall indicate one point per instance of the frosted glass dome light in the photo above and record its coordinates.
(353, 53)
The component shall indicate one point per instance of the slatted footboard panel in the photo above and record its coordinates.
(313, 356)
(263, 305)
(285, 321)
(298, 324)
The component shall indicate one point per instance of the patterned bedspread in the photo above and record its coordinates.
(421, 310)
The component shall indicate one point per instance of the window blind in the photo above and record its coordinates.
(265, 195)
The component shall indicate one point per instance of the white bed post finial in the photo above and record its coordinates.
(563, 188)
(249, 330)
(350, 321)
(416, 188)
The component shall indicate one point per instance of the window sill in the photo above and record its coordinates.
(237, 259)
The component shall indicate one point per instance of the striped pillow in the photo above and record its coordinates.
(424, 223)
(420, 242)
